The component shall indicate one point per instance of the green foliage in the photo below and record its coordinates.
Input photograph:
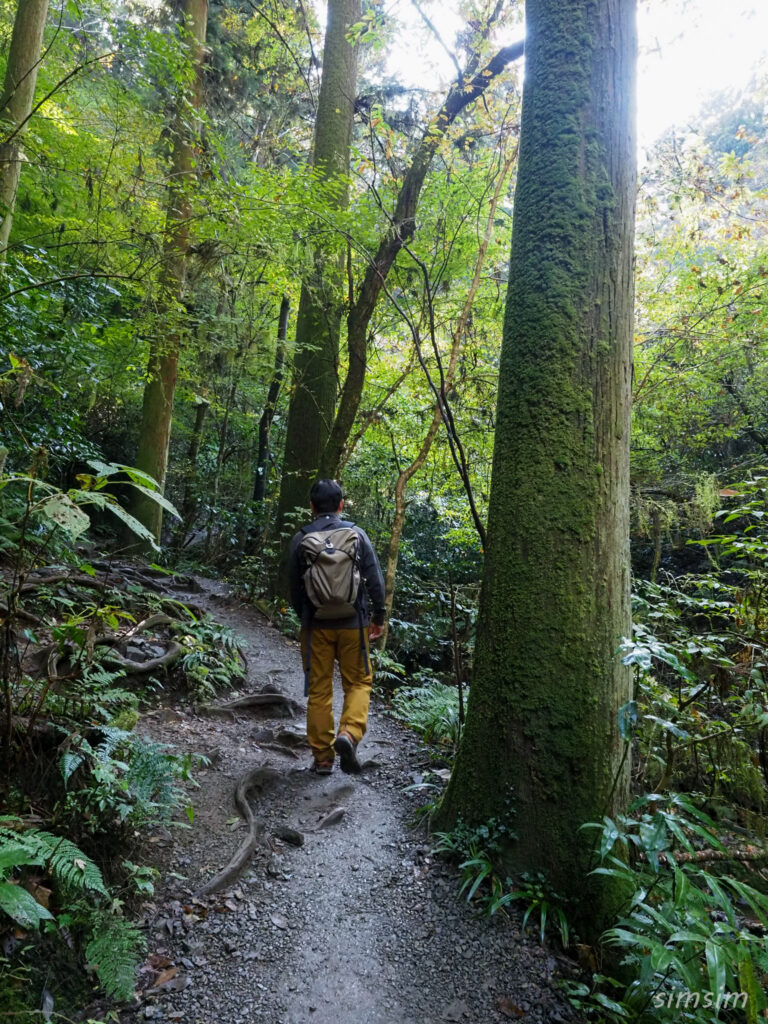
(128, 781)
(387, 670)
(685, 931)
(62, 860)
(480, 852)
(72, 872)
(699, 652)
(212, 660)
(114, 951)
(432, 710)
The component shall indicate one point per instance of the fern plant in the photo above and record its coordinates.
(130, 780)
(211, 661)
(115, 948)
(432, 710)
(690, 938)
(61, 859)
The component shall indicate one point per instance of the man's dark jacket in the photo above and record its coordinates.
(372, 586)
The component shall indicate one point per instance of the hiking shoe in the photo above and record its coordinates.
(346, 748)
(321, 767)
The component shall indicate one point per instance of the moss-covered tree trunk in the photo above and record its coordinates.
(162, 365)
(16, 103)
(541, 731)
(318, 321)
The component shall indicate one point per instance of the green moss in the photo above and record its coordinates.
(542, 713)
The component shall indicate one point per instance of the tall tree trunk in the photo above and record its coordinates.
(459, 333)
(16, 103)
(541, 734)
(265, 423)
(472, 84)
(318, 323)
(189, 505)
(162, 366)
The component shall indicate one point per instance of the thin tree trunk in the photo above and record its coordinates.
(541, 741)
(318, 323)
(405, 476)
(220, 453)
(472, 85)
(162, 367)
(16, 103)
(265, 423)
(189, 505)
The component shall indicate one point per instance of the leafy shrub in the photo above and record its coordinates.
(690, 938)
(113, 944)
(212, 660)
(432, 710)
(128, 780)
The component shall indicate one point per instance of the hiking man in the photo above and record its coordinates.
(333, 572)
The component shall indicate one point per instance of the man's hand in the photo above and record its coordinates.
(374, 631)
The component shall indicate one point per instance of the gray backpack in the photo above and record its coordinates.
(331, 560)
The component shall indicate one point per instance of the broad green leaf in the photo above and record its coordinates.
(64, 512)
(14, 854)
(138, 476)
(132, 523)
(158, 497)
(716, 967)
(23, 908)
(104, 468)
(748, 983)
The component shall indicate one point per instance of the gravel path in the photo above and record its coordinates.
(359, 924)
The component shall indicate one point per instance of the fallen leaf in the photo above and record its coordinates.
(159, 961)
(40, 894)
(508, 1008)
(175, 984)
(165, 975)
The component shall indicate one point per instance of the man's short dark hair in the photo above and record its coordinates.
(326, 495)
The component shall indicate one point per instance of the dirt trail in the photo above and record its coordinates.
(360, 923)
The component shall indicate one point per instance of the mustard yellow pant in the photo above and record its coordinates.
(327, 646)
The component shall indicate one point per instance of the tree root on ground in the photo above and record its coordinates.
(171, 656)
(252, 779)
(252, 700)
(20, 613)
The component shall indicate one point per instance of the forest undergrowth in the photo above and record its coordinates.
(89, 640)
(690, 854)
(87, 643)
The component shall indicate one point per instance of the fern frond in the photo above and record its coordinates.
(66, 862)
(114, 950)
(69, 762)
(70, 866)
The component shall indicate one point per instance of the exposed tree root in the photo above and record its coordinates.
(20, 613)
(253, 700)
(705, 856)
(252, 779)
(171, 656)
(159, 619)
